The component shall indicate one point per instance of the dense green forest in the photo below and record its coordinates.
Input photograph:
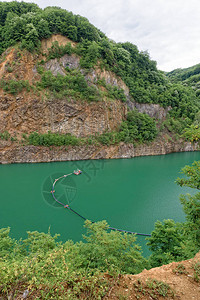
(49, 269)
(189, 77)
(25, 25)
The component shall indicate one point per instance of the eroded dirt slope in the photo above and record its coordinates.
(183, 279)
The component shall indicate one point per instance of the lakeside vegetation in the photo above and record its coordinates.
(42, 267)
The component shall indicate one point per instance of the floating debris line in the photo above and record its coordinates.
(78, 172)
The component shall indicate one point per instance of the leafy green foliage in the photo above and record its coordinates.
(5, 135)
(112, 91)
(104, 250)
(57, 51)
(13, 87)
(7, 243)
(152, 289)
(172, 241)
(50, 139)
(191, 204)
(66, 271)
(183, 74)
(73, 85)
(29, 24)
(192, 133)
(165, 242)
(107, 138)
(193, 174)
(176, 125)
(189, 77)
(89, 52)
(159, 287)
(197, 272)
(138, 127)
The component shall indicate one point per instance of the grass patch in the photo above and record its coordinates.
(5, 135)
(152, 288)
(180, 269)
(196, 275)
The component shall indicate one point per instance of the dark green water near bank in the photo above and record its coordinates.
(131, 194)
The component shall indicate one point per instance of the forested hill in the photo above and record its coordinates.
(25, 25)
(188, 76)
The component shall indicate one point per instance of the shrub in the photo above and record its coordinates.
(14, 86)
(57, 51)
(139, 127)
(50, 139)
(5, 135)
(73, 84)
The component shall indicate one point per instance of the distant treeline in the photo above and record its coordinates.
(189, 77)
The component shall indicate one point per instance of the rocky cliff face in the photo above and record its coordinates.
(13, 153)
(24, 114)
(30, 111)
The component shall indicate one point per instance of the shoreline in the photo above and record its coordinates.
(10, 153)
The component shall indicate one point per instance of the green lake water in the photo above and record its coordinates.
(131, 194)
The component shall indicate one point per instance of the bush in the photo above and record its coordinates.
(120, 254)
(51, 269)
(5, 135)
(57, 51)
(52, 139)
(13, 87)
(138, 127)
(192, 133)
(73, 84)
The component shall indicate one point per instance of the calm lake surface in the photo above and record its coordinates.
(131, 194)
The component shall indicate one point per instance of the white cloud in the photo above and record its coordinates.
(169, 30)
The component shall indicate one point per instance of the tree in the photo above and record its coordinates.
(43, 28)
(165, 243)
(106, 251)
(31, 39)
(191, 204)
(192, 133)
(193, 174)
(141, 126)
(72, 33)
(171, 241)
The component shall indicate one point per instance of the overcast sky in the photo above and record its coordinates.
(168, 29)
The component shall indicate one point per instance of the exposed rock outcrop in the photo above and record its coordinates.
(27, 114)
(151, 109)
(30, 111)
(13, 153)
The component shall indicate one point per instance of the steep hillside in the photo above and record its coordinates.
(30, 103)
(32, 109)
(188, 76)
(64, 83)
